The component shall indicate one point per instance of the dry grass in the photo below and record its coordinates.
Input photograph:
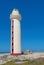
(26, 63)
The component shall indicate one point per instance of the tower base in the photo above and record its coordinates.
(16, 54)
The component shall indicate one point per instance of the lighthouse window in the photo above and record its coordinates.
(12, 38)
(12, 32)
(12, 50)
(12, 43)
(12, 26)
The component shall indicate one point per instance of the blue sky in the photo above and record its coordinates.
(32, 24)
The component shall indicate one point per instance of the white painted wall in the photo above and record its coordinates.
(17, 36)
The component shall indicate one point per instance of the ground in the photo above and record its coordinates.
(26, 63)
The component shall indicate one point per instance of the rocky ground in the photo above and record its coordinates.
(24, 58)
(28, 62)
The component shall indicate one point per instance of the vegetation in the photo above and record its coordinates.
(26, 63)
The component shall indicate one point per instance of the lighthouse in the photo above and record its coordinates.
(15, 32)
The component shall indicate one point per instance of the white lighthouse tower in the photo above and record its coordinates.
(15, 32)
